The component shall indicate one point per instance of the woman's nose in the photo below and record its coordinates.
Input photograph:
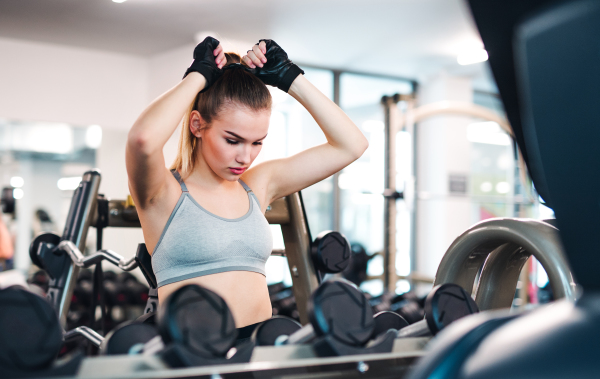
(244, 154)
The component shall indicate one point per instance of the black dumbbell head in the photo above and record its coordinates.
(126, 335)
(30, 333)
(49, 238)
(447, 303)
(339, 309)
(198, 319)
(331, 252)
(387, 320)
(267, 332)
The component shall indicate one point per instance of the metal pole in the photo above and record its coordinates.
(389, 236)
(336, 188)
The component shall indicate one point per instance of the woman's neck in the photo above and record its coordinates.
(204, 177)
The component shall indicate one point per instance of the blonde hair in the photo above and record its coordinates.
(236, 86)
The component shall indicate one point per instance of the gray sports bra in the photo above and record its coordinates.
(196, 242)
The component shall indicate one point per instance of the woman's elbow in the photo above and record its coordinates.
(360, 147)
(139, 143)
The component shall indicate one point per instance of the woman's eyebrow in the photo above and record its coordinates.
(243, 139)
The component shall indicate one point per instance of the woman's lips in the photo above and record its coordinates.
(237, 170)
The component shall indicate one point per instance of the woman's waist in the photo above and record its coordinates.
(245, 293)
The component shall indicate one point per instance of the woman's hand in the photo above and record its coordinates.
(209, 59)
(272, 65)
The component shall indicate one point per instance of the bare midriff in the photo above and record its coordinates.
(245, 293)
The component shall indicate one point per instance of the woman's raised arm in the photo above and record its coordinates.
(345, 142)
(151, 131)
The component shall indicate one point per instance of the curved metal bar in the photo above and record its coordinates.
(502, 246)
(102, 255)
(85, 332)
(458, 108)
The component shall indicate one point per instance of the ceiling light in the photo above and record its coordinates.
(472, 56)
(119, 1)
(93, 136)
(17, 182)
(18, 193)
(68, 184)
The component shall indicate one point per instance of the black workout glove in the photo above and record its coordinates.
(204, 61)
(279, 71)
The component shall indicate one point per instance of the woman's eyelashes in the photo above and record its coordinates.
(234, 142)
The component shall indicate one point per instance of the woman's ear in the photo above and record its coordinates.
(197, 124)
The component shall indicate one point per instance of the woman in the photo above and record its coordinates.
(203, 220)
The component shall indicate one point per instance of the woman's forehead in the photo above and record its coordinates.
(246, 123)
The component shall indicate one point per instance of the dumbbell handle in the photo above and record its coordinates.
(418, 329)
(303, 335)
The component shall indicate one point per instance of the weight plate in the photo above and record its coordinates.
(30, 334)
(387, 320)
(50, 238)
(447, 303)
(339, 309)
(124, 336)
(266, 333)
(198, 319)
(331, 252)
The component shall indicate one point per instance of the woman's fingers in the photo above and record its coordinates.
(253, 59)
(263, 46)
(218, 50)
(259, 54)
(219, 54)
(248, 61)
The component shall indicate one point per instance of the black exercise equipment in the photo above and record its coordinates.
(445, 304)
(267, 333)
(121, 339)
(198, 329)
(341, 323)
(356, 271)
(30, 337)
(387, 320)
(331, 252)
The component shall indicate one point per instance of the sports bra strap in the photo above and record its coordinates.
(249, 191)
(244, 185)
(181, 183)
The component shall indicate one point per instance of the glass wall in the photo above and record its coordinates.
(362, 182)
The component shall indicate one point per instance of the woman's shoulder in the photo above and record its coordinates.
(256, 181)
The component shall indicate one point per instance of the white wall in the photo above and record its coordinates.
(43, 82)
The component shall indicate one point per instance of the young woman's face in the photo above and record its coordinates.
(234, 139)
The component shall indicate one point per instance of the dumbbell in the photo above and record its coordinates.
(341, 323)
(126, 337)
(196, 328)
(266, 333)
(386, 320)
(445, 304)
(30, 337)
(330, 252)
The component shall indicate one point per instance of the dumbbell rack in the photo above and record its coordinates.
(267, 361)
